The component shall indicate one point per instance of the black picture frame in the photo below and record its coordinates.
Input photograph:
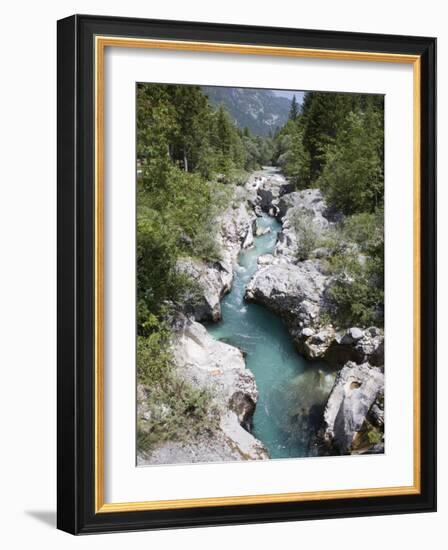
(76, 301)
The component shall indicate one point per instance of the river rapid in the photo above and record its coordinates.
(292, 391)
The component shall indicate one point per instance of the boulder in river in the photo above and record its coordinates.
(235, 231)
(265, 259)
(293, 291)
(365, 347)
(356, 389)
(271, 189)
(307, 200)
(307, 207)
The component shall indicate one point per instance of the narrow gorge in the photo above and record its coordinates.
(260, 274)
(284, 381)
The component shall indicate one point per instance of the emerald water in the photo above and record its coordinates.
(291, 390)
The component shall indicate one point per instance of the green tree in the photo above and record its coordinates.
(307, 234)
(156, 128)
(323, 114)
(290, 154)
(357, 269)
(227, 142)
(353, 178)
(294, 109)
(193, 118)
(297, 163)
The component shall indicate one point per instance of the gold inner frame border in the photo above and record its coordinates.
(100, 44)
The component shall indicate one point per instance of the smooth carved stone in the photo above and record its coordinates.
(214, 279)
(355, 390)
(219, 368)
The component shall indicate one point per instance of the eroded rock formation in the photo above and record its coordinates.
(209, 364)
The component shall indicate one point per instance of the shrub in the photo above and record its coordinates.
(291, 155)
(308, 235)
(367, 437)
(357, 291)
(174, 408)
(356, 297)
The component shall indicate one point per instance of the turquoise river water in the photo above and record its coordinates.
(292, 391)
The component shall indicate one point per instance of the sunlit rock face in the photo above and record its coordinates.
(355, 394)
(219, 368)
(214, 279)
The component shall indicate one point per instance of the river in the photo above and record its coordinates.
(292, 391)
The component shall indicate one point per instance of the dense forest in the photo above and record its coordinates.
(188, 154)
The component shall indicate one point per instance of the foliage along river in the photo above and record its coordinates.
(292, 391)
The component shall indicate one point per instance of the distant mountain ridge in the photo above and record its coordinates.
(259, 110)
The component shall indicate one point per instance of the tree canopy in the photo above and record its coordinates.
(336, 143)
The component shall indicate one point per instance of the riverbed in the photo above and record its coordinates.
(292, 391)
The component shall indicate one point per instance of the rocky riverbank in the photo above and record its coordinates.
(235, 232)
(297, 291)
(208, 364)
(219, 368)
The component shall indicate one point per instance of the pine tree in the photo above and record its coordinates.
(294, 110)
(323, 114)
(352, 178)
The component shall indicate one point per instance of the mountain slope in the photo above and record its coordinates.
(259, 110)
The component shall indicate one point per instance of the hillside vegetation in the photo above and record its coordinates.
(335, 142)
(186, 154)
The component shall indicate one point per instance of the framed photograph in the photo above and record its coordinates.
(246, 274)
